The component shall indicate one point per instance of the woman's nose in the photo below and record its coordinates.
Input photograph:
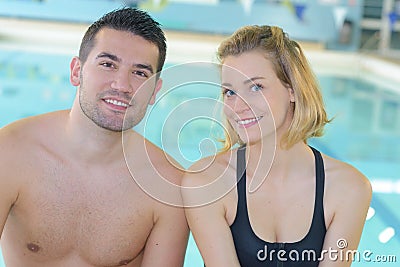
(241, 105)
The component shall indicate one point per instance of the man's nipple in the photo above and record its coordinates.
(33, 247)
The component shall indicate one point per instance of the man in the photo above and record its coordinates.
(68, 190)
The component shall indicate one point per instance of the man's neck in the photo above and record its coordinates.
(88, 141)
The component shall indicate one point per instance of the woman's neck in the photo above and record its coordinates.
(266, 158)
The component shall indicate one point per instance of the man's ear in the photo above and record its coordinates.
(156, 90)
(75, 71)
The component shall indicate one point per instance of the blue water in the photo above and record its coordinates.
(365, 131)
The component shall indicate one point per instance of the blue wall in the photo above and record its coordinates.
(317, 22)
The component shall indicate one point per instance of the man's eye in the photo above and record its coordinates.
(107, 64)
(141, 73)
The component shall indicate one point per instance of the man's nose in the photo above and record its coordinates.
(122, 81)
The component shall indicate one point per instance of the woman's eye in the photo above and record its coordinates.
(228, 92)
(256, 87)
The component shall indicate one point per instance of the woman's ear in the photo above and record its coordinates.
(75, 71)
(291, 95)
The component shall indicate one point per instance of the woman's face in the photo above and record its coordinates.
(256, 103)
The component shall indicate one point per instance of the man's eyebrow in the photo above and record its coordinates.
(117, 59)
(108, 55)
(144, 66)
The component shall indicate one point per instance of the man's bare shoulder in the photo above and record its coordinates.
(28, 130)
(25, 140)
(155, 172)
(21, 147)
(144, 155)
(163, 158)
(17, 135)
(18, 130)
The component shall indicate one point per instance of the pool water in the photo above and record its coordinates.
(364, 132)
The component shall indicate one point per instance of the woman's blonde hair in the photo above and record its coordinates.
(294, 71)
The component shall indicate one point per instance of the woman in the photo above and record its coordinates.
(292, 205)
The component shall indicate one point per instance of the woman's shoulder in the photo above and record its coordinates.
(209, 168)
(210, 180)
(343, 179)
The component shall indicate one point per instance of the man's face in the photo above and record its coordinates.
(116, 83)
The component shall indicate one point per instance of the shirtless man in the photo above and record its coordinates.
(67, 196)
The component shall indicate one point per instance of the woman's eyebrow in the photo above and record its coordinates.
(226, 85)
(251, 80)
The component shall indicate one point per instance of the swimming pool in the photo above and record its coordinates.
(365, 131)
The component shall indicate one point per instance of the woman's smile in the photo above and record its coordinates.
(248, 122)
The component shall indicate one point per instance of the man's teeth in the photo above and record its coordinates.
(242, 122)
(117, 103)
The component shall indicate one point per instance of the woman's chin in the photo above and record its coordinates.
(258, 140)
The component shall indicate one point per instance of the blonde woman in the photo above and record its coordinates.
(269, 199)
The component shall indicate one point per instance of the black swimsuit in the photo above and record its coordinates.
(253, 251)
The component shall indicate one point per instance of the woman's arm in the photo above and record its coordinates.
(348, 194)
(208, 222)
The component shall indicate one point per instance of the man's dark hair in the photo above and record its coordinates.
(133, 20)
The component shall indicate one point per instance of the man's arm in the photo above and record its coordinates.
(166, 245)
(8, 173)
(167, 242)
